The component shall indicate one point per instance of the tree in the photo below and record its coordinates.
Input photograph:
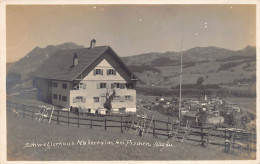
(109, 98)
(108, 104)
(230, 119)
(201, 117)
(200, 80)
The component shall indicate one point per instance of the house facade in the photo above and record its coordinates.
(85, 78)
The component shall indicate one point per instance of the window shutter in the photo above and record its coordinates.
(74, 99)
(84, 86)
(107, 85)
(98, 85)
(112, 85)
(107, 71)
(131, 98)
(83, 99)
(121, 85)
(101, 71)
(114, 72)
(94, 71)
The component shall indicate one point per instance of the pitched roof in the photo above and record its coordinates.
(60, 65)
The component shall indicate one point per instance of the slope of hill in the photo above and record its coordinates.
(32, 61)
(34, 133)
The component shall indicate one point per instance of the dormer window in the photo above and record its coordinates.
(82, 85)
(111, 72)
(98, 71)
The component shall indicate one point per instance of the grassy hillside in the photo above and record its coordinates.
(215, 65)
(21, 131)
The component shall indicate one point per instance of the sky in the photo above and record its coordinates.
(130, 29)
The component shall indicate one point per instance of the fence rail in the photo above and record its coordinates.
(226, 138)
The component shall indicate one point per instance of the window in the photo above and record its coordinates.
(50, 84)
(111, 72)
(127, 98)
(103, 85)
(55, 96)
(96, 99)
(116, 98)
(64, 98)
(82, 85)
(79, 99)
(98, 71)
(55, 85)
(59, 97)
(64, 85)
(116, 85)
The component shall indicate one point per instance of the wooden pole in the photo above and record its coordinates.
(68, 118)
(58, 112)
(91, 121)
(105, 123)
(78, 118)
(180, 83)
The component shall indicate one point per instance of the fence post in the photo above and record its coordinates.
(229, 143)
(23, 111)
(68, 117)
(153, 127)
(105, 123)
(234, 141)
(225, 141)
(247, 141)
(58, 112)
(78, 118)
(168, 127)
(91, 121)
(121, 125)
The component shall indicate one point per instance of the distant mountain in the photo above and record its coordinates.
(33, 60)
(196, 54)
(216, 65)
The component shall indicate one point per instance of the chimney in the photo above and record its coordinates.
(75, 60)
(92, 43)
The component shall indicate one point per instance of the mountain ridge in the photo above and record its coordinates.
(162, 68)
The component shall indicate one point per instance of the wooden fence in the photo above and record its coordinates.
(230, 139)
